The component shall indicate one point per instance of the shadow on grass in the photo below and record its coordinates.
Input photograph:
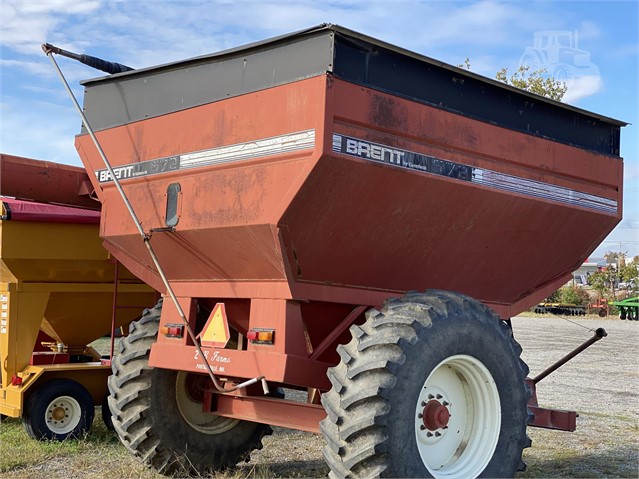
(620, 462)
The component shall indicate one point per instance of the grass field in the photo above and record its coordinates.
(602, 384)
(99, 454)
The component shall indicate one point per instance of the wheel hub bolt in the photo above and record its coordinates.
(58, 414)
(435, 415)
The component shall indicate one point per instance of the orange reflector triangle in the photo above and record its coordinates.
(216, 330)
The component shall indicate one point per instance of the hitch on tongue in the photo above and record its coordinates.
(553, 418)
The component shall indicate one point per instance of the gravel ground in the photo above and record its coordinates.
(604, 379)
(601, 384)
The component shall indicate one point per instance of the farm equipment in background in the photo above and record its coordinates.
(599, 307)
(59, 291)
(560, 309)
(285, 197)
(628, 308)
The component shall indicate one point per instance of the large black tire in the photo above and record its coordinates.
(57, 410)
(374, 425)
(106, 413)
(150, 423)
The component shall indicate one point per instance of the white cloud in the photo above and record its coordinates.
(39, 130)
(588, 30)
(27, 24)
(23, 34)
(61, 7)
(582, 87)
(144, 33)
(30, 67)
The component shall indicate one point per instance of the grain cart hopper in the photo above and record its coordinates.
(295, 193)
(56, 297)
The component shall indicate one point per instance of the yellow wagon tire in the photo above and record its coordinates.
(57, 410)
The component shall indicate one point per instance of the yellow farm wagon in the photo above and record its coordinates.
(59, 291)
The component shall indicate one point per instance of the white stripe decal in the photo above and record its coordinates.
(276, 145)
(252, 149)
(458, 171)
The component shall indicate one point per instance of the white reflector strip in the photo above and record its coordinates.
(277, 145)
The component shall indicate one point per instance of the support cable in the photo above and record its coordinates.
(146, 238)
(573, 322)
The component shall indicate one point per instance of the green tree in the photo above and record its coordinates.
(599, 282)
(613, 256)
(554, 297)
(629, 271)
(574, 295)
(465, 65)
(534, 81)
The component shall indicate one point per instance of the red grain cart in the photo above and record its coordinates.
(297, 192)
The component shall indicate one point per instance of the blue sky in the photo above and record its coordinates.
(37, 119)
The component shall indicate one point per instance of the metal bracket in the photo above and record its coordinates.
(555, 418)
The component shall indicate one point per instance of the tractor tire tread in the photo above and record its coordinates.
(356, 441)
(137, 423)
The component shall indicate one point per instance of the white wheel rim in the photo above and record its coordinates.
(63, 415)
(462, 444)
(191, 411)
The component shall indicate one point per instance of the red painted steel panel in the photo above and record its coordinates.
(228, 212)
(276, 412)
(388, 227)
(32, 211)
(46, 182)
(276, 206)
(553, 419)
(41, 357)
(341, 223)
(278, 368)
